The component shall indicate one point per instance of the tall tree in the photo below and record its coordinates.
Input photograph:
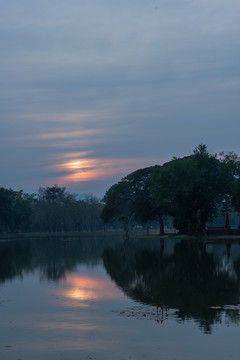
(118, 205)
(190, 189)
(145, 206)
(230, 181)
(130, 200)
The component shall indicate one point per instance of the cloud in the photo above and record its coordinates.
(83, 169)
(114, 80)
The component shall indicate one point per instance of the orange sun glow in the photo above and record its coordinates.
(86, 168)
(84, 288)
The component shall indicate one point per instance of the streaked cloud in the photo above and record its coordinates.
(123, 84)
(80, 169)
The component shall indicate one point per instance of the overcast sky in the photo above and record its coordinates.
(91, 90)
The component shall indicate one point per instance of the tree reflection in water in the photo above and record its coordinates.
(189, 279)
(53, 257)
(199, 283)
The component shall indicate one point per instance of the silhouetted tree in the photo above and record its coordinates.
(191, 189)
(15, 210)
(53, 208)
(130, 200)
(93, 209)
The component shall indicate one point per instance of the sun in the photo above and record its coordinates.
(74, 164)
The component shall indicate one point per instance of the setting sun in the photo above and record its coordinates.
(83, 167)
(74, 164)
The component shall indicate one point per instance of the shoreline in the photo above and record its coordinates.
(119, 233)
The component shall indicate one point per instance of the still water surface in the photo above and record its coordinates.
(104, 298)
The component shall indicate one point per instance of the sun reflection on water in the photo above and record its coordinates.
(80, 289)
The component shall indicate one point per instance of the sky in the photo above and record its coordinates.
(91, 90)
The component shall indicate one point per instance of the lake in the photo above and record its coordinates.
(105, 298)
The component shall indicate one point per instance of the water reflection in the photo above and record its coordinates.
(54, 257)
(190, 278)
(79, 289)
(201, 281)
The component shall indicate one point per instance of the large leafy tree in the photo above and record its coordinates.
(236, 197)
(130, 199)
(231, 181)
(118, 205)
(190, 189)
(145, 206)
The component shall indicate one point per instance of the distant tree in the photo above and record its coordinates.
(5, 207)
(93, 210)
(86, 213)
(53, 208)
(23, 208)
(57, 209)
(78, 214)
(15, 210)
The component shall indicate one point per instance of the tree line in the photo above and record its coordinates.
(190, 190)
(52, 209)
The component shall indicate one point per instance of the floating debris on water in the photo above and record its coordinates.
(216, 307)
(226, 307)
(155, 313)
(231, 307)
